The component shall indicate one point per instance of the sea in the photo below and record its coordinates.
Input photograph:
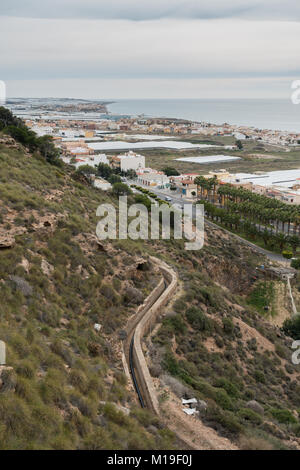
(277, 114)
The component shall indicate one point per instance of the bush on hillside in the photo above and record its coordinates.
(291, 327)
(16, 128)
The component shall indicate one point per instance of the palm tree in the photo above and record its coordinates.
(294, 241)
(281, 240)
(266, 236)
(200, 181)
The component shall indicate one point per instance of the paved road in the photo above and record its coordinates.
(269, 254)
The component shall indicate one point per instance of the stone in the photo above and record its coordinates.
(7, 242)
(25, 264)
(201, 406)
(46, 267)
(100, 246)
(255, 406)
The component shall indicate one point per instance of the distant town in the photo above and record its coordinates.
(87, 134)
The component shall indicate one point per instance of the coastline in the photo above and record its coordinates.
(278, 115)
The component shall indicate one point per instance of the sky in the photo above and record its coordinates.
(112, 49)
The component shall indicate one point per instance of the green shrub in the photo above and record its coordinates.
(25, 369)
(228, 325)
(296, 429)
(250, 416)
(171, 364)
(198, 319)
(291, 327)
(228, 386)
(225, 418)
(283, 416)
(262, 296)
(287, 254)
(223, 399)
(176, 324)
(295, 263)
(259, 376)
(78, 379)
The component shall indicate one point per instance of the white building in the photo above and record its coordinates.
(92, 160)
(155, 179)
(42, 130)
(131, 161)
(100, 183)
(69, 133)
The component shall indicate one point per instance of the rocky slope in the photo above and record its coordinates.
(63, 386)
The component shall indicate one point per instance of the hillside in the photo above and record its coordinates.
(64, 385)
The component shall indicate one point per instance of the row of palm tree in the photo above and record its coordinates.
(208, 187)
(264, 211)
(236, 221)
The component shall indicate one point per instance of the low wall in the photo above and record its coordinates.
(142, 329)
(142, 309)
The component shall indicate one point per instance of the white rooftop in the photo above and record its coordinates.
(282, 178)
(173, 145)
(144, 136)
(208, 159)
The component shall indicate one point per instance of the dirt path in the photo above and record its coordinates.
(191, 430)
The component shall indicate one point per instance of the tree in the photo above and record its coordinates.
(239, 145)
(48, 149)
(295, 263)
(291, 327)
(143, 199)
(86, 170)
(112, 179)
(121, 189)
(104, 170)
(202, 182)
(7, 118)
(131, 174)
(170, 171)
(294, 241)
(281, 240)
(17, 129)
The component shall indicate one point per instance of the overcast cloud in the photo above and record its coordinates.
(152, 9)
(164, 41)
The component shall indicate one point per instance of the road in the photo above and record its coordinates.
(274, 257)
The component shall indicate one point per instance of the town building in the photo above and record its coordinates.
(91, 160)
(128, 161)
(187, 188)
(102, 184)
(153, 178)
